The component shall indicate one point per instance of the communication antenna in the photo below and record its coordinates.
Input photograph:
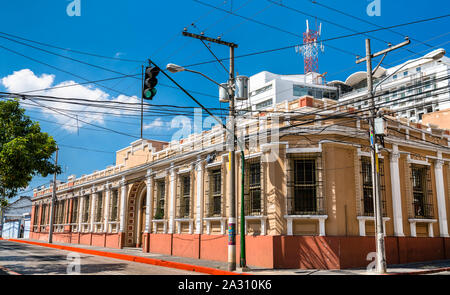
(312, 44)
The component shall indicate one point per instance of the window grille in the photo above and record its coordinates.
(99, 211)
(74, 210)
(55, 211)
(160, 200)
(252, 195)
(43, 217)
(215, 193)
(305, 179)
(58, 215)
(35, 217)
(114, 205)
(61, 207)
(86, 208)
(184, 198)
(367, 186)
(422, 191)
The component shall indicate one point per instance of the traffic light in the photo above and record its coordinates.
(150, 81)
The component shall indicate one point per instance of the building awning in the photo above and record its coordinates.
(357, 77)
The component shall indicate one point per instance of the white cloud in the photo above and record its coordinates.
(25, 80)
(156, 124)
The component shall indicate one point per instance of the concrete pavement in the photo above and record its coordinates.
(26, 259)
(217, 267)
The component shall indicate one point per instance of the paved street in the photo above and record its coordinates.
(29, 260)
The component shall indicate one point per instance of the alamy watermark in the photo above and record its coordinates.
(74, 8)
(74, 263)
(371, 267)
(374, 8)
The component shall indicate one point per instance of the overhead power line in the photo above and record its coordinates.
(323, 40)
(72, 50)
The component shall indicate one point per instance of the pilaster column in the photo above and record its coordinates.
(123, 199)
(440, 195)
(106, 208)
(93, 201)
(396, 193)
(199, 197)
(149, 200)
(172, 198)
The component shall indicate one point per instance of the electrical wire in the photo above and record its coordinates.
(323, 40)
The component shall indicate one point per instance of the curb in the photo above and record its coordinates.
(8, 271)
(146, 260)
(421, 272)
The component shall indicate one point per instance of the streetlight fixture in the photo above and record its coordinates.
(173, 68)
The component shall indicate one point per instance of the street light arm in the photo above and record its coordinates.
(192, 71)
(196, 101)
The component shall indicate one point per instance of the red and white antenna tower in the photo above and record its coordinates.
(310, 48)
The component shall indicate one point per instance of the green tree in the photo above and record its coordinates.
(25, 151)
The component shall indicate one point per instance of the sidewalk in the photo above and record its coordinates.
(220, 268)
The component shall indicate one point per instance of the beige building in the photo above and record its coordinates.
(440, 119)
(308, 192)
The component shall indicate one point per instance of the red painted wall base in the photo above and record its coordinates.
(92, 239)
(303, 252)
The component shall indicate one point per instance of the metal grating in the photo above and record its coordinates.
(253, 201)
(422, 191)
(113, 206)
(305, 181)
(160, 200)
(214, 200)
(74, 217)
(184, 197)
(86, 208)
(367, 198)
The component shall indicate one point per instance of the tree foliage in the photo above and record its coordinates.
(25, 151)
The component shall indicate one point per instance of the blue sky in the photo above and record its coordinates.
(152, 29)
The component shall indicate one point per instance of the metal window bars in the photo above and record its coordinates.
(74, 217)
(184, 197)
(422, 192)
(99, 208)
(304, 183)
(367, 187)
(214, 199)
(253, 201)
(114, 206)
(35, 216)
(86, 208)
(43, 217)
(160, 200)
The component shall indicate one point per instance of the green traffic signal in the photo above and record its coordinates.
(150, 82)
(149, 93)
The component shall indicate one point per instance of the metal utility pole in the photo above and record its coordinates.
(232, 157)
(378, 213)
(52, 206)
(142, 100)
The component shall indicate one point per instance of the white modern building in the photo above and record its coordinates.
(411, 89)
(268, 89)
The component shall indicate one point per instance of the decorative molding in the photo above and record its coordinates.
(362, 224)
(412, 159)
(320, 218)
(412, 224)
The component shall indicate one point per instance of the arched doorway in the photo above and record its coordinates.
(141, 208)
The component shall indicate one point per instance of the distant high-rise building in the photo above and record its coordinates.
(411, 89)
(268, 89)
